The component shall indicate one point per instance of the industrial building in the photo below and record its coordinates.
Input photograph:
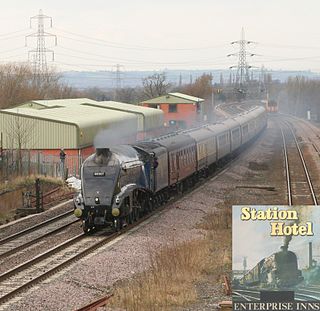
(46, 126)
(180, 110)
(150, 121)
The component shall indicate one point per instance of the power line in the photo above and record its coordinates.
(132, 47)
(118, 79)
(39, 59)
(132, 61)
(242, 76)
(13, 32)
(11, 50)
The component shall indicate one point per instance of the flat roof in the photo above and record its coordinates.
(127, 107)
(188, 97)
(52, 103)
(80, 115)
(174, 98)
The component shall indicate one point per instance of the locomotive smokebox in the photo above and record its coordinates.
(102, 155)
(102, 152)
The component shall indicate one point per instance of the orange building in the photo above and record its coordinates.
(180, 110)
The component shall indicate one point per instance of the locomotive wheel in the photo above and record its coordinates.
(147, 206)
(130, 219)
(152, 204)
(136, 214)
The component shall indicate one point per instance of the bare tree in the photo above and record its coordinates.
(20, 134)
(200, 88)
(155, 85)
(18, 84)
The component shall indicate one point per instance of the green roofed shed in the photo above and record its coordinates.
(148, 118)
(56, 125)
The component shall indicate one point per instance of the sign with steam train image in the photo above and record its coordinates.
(276, 257)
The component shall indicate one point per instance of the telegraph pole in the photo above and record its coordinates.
(213, 112)
(242, 76)
(180, 80)
(190, 78)
(38, 55)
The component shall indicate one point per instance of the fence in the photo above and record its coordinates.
(15, 163)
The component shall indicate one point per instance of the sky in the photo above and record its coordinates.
(166, 34)
(252, 239)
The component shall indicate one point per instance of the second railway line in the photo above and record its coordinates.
(300, 184)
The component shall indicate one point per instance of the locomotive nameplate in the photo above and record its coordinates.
(99, 174)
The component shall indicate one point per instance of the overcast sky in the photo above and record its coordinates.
(173, 34)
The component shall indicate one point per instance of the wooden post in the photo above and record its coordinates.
(29, 163)
(38, 162)
(39, 198)
(1, 155)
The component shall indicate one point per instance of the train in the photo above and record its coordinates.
(121, 183)
(280, 270)
(271, 105)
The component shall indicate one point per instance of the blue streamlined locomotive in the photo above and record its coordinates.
(122, 182)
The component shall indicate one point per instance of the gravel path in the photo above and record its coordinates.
(94, 275)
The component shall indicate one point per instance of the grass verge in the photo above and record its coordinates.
(170, 281)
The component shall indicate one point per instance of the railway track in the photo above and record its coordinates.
(300, 190)
(312, 133)
(26, 238)
(38, 226)
(57, 258)
(246, 294)
(31, 272)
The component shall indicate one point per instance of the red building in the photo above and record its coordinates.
(180, 110)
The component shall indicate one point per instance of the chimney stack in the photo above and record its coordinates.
(310, 255)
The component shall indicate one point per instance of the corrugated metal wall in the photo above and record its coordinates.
(35, 133)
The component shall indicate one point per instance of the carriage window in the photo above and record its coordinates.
(222, 140)
(172, 162)
(245, 129)
(236, 133)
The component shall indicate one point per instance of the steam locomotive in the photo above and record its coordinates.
(121, 183)
(279, 270)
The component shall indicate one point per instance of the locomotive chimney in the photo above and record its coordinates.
(102, 155)
(102, 152)
(310, 255)
(284, 248)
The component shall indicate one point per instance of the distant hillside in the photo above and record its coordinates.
(107, 79)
